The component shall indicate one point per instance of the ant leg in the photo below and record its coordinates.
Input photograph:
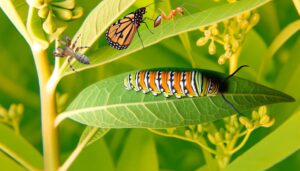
(75, 42)
(140, 38)
(71, 66)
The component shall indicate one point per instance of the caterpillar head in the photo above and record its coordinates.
(213, 87)
(127, 82)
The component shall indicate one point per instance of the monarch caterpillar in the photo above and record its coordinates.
(179, 83)
(172, 14)
(120, 34)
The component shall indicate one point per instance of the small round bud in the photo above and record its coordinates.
(221, 60)
(212, 48)
(43, 12)
(188, 133)
(77, 12)
(255, 115)
(262, 110)
(254, 19)
(202, 41)
(207, 33)
(62, 13)
(264, 120)
(227, 136)
(218, 137)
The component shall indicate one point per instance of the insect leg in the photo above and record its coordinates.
(231, 75)
(68, 40)
(58, 52)
(140, 38)
(75, 42)
(147, 26)
(81, 47)
(71, 66)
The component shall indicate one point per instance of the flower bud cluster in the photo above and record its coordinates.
(55, 11)
(13, 115)
(229, 33)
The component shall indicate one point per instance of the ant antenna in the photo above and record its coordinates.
(222, 95)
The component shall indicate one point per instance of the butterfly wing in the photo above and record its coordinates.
(120, 34)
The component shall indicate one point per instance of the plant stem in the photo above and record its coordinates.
(48, 108)
(183, 138)
(18, 158)
(78, 149)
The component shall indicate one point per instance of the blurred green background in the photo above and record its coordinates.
(18, 84)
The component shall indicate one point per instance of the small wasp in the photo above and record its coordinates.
(71, 51)
(172, 14)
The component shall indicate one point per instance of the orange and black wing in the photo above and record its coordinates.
(120, 34)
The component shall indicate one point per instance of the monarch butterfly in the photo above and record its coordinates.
(71, 51)
(120, 34)
(172, 14)
(179, 83)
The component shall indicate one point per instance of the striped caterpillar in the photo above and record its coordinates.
(179, 83)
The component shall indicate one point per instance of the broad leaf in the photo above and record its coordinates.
(107, 104)
(12, 143)
(9, 164)
(168, 29)
(273, 148)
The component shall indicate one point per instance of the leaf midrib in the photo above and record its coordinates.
(103, 107)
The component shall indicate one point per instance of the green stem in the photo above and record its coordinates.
(78, 149)
(246, 137)
(184, 138)
(48, 107)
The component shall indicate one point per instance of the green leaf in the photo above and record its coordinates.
(95, 157)
(183, 24)
(9, 8)
(102, 16)
(18, 148)
(8, 163)
(139, 153)
(107, 104)
(91, 134)
(272, 149)
(278, 42)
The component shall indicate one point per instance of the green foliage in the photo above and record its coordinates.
(127, 109)
(271, 49)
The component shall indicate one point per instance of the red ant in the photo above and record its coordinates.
(172, 14)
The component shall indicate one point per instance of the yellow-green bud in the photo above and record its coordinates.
(62, 13)
(3, 112)
(211, 138)
(77, 12)
(67, 4)
(254, 19)
(43, 12)
(170, 130)
(221, 60)
(262, 110)
(264, 120)
(218, 137)
(49, 25)
(188, 133)
(270, 123)
(214, 31)
(202, 41)
(20, 109)
(255, 115)
(244, 25)
(212, 48)
(207, 33)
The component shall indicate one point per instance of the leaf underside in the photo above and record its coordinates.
(107, 104)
